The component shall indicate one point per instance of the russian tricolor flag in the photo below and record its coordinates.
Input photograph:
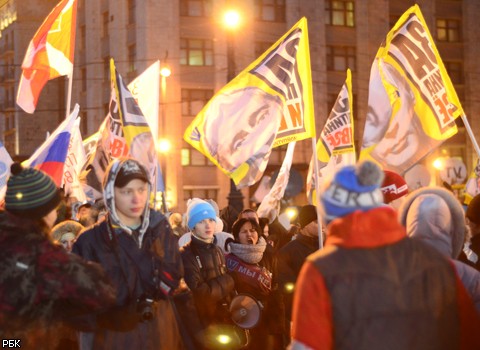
(51, 155)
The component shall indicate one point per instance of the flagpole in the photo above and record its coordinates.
(69, 94)
(470, 133)
(317, 192)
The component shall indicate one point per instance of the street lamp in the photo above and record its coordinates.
(231, 20)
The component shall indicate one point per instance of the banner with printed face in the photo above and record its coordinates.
(268, 104)
(472, 188)
(336, 145)
(412, 102)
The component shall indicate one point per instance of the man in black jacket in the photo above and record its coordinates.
(139, 252)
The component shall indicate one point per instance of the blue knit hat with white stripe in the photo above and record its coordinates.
(198, 210)
(353, 188)
(30, 193)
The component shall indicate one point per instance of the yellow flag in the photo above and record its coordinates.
(412, 102)
(268, 104)
(335, 145)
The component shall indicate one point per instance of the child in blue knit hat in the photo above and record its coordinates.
(205, 271)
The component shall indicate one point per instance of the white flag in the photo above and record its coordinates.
(73, 165)
(270, 206)
(146, 90)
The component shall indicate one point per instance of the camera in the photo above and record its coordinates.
(146, 309)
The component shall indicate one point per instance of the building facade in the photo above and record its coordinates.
(189, 37)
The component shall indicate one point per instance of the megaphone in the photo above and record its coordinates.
(245, 311)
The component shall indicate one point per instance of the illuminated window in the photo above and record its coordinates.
(340, 13)
(339, 58)
(270, 10)
(449, 30)
(196, 52)
(196, 8)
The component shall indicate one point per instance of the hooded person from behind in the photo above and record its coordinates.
(371, 287)
(433, 215)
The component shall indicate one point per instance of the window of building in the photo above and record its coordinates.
(105, 20)
(205, 193)
(191, 157)
(84, 123)
(132, 57)
(261, 47)
(339, 58)
(270, 10)
(9, 121)
(196, 52)
(131, 11)
(340, 13)
(83, 35)
(83, 74)
(455, 71)
(196, 8)
(193, 100)
(449, 30)
(106, 68)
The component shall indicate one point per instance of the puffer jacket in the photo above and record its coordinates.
(206, 275)
(434, 216)
(41, 285)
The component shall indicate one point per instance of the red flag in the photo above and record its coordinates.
(49, 54)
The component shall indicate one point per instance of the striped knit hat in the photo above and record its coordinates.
(30, 193)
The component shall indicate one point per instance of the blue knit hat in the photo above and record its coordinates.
(353, 188)
(197, 211)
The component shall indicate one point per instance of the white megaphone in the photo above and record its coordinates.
(245, 311)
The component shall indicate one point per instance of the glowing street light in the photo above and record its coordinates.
(231, 19)
(163, 146)
(165, 71)
(438, 163)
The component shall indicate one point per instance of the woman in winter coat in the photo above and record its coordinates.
(41, 285)
(433, 215)
(205, 271)
(254, 270)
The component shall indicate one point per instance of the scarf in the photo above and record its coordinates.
(251, 254)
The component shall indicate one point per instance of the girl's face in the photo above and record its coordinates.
(205, 228)
(248, 234)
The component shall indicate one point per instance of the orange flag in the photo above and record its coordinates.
(49, 54)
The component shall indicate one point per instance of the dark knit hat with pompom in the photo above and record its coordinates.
(30, 193)
(353, 188)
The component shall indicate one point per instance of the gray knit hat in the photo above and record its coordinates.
(30, 193)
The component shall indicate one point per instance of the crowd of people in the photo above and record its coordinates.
(398, 269)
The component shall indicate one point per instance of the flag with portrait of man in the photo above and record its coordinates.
(268, 104)
(412, 104)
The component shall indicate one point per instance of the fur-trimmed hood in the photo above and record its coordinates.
(435, 216)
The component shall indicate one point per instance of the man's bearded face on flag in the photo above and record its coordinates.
(242, 126)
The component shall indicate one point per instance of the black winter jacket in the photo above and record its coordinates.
(206, 275)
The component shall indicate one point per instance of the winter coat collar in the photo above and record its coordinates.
(373, 228)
